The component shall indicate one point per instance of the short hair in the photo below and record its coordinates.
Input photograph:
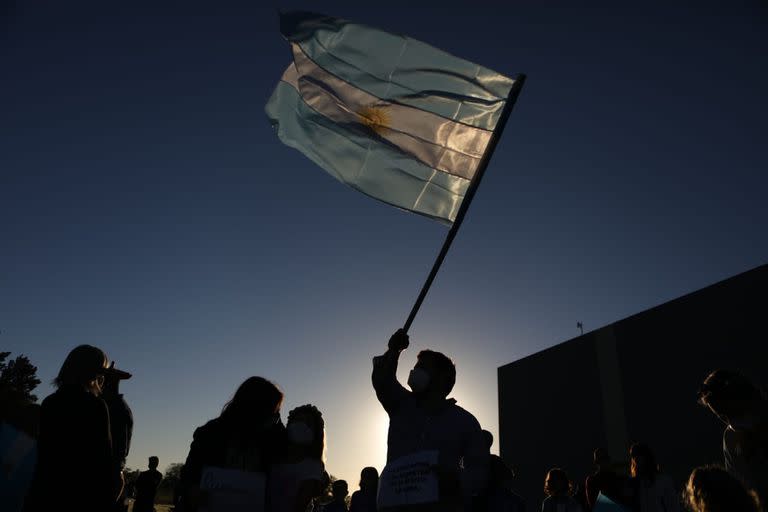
(154, 459)
(340, 484)
(713, 489)
(83, 364)
(443, 364)
(724, 386)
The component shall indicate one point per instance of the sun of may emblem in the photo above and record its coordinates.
(374, 117)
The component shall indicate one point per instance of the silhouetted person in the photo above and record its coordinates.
(339, 491)
(742, 407)
(120, 422)
(650, 490)
(19, 428)
(364, 500)
(713, 489)
(297, 475)
(501, 497)
(146, 487)
(424, 422)
(557, 488)
(76, 467)
(603, 480)
(247, 436)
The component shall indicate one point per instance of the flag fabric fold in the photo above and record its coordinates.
(390, 116)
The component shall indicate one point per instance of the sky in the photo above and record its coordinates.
(147, 207)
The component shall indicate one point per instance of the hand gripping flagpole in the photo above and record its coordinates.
(470, 194)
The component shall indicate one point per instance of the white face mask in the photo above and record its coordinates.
(300, 433)
(418, 380)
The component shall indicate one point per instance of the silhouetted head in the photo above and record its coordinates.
(153, 462)
(306, 429)
(256, 404)
(339, 490)
(556, 483)
(369, 479)
(488, 439)
(600, 457)
(83, 368)
(732, 397)
(713, 489)
(434, 373)
(642, 462)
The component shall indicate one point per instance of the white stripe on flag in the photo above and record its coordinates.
(438, 142)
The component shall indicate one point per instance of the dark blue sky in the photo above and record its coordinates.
(147, 207)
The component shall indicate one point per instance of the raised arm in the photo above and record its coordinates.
(384, 376)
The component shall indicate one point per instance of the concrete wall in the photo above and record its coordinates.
(635, 380)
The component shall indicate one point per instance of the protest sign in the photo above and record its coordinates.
(409, 480)
(232, 490)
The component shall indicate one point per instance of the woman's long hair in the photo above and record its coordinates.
(82, 366)
(256, 402)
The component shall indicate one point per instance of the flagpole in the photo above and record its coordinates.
(468, 196)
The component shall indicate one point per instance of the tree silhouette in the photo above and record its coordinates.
(18, 377)
(170, 480)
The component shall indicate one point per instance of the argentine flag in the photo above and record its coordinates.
(392, 117)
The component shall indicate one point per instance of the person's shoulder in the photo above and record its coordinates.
(211, 428)
(75, 399)
(463, 415)
(50, 399)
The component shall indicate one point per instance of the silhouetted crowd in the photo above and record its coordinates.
(438, 456)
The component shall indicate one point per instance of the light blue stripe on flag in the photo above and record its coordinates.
(398, 68)
(369, 165)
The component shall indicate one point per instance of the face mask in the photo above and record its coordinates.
(418, 380)
(300, 433)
